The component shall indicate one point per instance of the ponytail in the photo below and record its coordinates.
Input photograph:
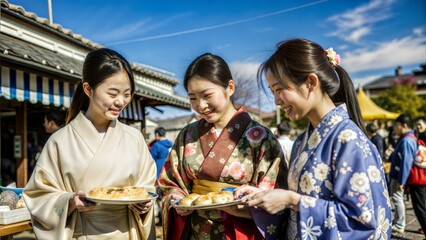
(80, 102)
(347, 94)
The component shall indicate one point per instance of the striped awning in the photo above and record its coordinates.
(25, 86)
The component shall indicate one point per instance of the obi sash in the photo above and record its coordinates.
(217, 150)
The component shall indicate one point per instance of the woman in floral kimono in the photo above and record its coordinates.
(93, 150)
(226, 148)
(337, 188)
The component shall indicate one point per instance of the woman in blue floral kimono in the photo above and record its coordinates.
(226, 148)
(337, 188)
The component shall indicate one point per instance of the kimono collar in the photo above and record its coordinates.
(310, 140)
(88, 133)
(217, 150)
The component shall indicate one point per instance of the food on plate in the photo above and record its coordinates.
(193, 196)
(203, 200)
(229, 195)
(186, 201)
(119, 193)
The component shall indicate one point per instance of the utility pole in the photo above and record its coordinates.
(49, 6)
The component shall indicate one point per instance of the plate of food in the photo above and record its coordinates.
(120, 195)
(210, 200)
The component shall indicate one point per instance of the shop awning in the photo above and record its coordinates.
(25, 86)
(370, 111)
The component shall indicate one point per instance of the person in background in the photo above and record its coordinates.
(376, 138)
(160, 148)
(283, 134)
(93, 150)
(336, 179)
(53, 121)
(226, 148)
(421, 128)
(401, 162)
(418, 193)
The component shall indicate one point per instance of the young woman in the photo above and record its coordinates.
(336, 180)
(225, 148)
(93, 150)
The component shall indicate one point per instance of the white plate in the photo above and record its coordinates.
(122, 201)
(205, 207)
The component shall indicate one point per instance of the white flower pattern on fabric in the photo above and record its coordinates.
(360, 183)
(271, 229)
(314, 139)
(308, 201)
(334, 120)
(321, 171)
(330, 221)
(307, 182)
(374, 174)
(309, 231)
(383, 225)
(366, 215)
(347, 135)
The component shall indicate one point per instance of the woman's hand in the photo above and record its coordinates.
(78, 201)
(141, 208)
(175, 198)
(274, 200)
(245, 192)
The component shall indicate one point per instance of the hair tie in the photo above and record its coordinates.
(332, 57)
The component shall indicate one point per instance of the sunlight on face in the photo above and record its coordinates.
(211, 101)
(110, 98)
(290, 100)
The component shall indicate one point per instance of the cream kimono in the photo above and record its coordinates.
(76, 158)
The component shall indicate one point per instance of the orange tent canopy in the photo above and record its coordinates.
(370, 111)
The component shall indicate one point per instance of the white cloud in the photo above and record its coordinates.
(356, 23)
(244, 70)
(407, 50)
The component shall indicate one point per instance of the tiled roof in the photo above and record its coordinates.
(57, 28)
(40, 57)
(63, 32)
(151, 93)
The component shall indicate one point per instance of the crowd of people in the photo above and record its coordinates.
(330, 182)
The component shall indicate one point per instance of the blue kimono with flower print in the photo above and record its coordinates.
(339, 174)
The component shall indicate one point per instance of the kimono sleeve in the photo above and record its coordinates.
(47, 198)
(359, 204)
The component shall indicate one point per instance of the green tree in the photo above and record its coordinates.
(402, 98)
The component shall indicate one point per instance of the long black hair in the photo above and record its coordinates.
(295, 59)
(210, 67)
(98, 66)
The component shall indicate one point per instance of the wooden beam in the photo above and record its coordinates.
(21, 131)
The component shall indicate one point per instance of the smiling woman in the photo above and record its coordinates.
(83, 155)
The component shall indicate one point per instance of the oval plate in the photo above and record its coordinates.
(206, 207)
(122, 201)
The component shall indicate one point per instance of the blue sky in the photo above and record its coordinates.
(372, 37)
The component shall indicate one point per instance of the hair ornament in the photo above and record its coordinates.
(332, 57)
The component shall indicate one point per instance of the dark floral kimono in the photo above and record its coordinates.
(244, 153)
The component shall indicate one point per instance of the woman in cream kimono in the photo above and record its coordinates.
(93, 150)
(336, 181)
(225, 148)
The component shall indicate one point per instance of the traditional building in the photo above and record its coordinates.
(41, 63)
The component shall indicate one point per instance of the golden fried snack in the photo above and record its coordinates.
(220, 199)
(193, 196)
(186, 201)
(203, 200)
(212, 194)
(229, 195)
(120, 193)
